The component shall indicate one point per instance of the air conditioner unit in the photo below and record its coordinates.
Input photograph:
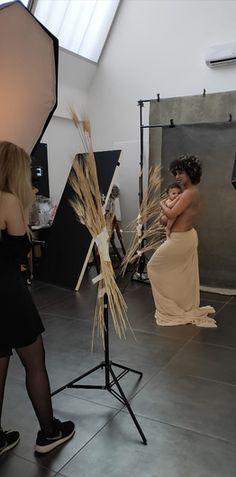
(221, 55)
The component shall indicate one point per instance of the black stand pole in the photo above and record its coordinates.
(139, 275)
(107, 365)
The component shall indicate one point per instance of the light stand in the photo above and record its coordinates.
(111, 379)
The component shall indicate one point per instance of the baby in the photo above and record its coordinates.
(174, 190)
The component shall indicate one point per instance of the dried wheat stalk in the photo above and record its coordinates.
(149, 233)
(87, 205)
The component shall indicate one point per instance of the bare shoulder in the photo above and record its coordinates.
(13, 215)
(10, 198)
(191, 194)
(193, 191)
(11, 203)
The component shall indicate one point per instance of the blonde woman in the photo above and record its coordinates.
(21, 325)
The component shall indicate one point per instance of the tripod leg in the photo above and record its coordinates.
(127, 369)
(72, 384)
(126, 403)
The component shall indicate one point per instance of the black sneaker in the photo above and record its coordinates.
(8, 440)
(62, 433)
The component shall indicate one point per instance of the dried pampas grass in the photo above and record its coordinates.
(87, 204)
(149, 233)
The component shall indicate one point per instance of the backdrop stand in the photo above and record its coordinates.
(111, 379)
(140, 275)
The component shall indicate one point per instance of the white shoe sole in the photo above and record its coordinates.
(48, 448)
(7, 448)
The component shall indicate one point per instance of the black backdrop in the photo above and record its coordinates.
(68, 243)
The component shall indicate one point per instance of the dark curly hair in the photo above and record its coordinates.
(189, 164)
(174, 185)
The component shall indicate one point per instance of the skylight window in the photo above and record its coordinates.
(25, 2)
(81, 26)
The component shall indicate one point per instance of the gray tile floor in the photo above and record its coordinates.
(185, 402)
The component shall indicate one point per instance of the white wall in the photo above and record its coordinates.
(156, 46)
(75, 75)
(63, 143)
(74, 79)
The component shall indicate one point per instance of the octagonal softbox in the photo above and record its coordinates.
(28, 76)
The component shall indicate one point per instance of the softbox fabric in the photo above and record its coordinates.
(28, 76)
(215, 146)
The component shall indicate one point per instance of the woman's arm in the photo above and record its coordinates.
(172, 203)
(186, 199)
(163, 220)
(13, 215)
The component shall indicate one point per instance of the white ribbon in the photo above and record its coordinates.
(102, 244)
(139, 230)
(97, 278)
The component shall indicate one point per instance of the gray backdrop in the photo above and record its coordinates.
(215, 146)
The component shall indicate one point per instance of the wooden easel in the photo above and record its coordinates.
(116, 228)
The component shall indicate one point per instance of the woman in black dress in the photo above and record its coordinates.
(20, 323)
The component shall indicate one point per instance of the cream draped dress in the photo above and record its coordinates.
(174, 277)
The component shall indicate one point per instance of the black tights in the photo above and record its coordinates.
(4, 362)
(37, 383)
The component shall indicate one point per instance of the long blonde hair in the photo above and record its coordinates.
(15, 174)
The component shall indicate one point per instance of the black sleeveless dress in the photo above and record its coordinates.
(20, 323)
